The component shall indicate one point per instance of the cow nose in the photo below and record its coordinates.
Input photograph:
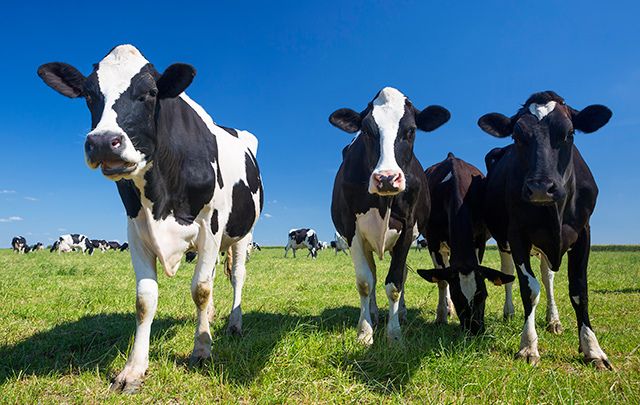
(540, 191)
(101, 147)
(387, 181)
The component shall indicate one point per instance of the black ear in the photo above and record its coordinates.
(175, 79)
(435, 275)
(496, 277)
(591, 118)
(496, 124)
(346, 119)
(432, 118)
(63, 78)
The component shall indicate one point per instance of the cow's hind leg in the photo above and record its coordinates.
(445, 305)
(238, 272)
(553, 319)
(365, 283)
(578, 261)
(144, 264)
(507, 267)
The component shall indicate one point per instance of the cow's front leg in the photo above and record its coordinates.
(445, 305)
(144, 264)
(578, 261)
(507, 267)
(238, 272)
(201, 292)
(365, 283)
(553, 319)
(530, 294)
(394, 284)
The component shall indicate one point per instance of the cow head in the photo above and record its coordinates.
(388, 128)
(123, 94)
(543, 132)
(468, 291)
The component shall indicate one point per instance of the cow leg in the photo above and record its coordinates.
(402, 311)
(530, 294)
(144, 264)
(445, 305)
(201, 292)
(286, 250)
(294, 253)
(394, 284)
(365, 283)
(373, 302)
(507, 267)
(239, 253)
(578, 291)
(553, 319)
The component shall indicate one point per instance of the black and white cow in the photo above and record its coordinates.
(380, 195)
(339, 244)
(36, 247)
(421, 244)
(302, 238)
(540, 195)
(456, 237)
(100, 244)
(71, 242)
(19, 244)
(124, 246)
(179, 190)
(114, 245)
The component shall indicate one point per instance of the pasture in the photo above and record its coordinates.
(68, 323)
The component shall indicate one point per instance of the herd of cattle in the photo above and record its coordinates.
(69, 243)
(189, 184)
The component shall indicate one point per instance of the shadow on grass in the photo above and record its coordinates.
(618, 291)
(73, 347)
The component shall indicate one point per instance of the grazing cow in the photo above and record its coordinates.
(101, 244)
(380, 195)
(70, 242)
(302, 238)
(540, 195)
(114, 245)
(124, 246)
(456, 237)
(19, 244)
(36, 247)
(180, 191)
(421, 244)
(339, 244)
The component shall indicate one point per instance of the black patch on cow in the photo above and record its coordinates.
(253, 177)
(130, 197)
(215, 226)
(76, 238)
(230, 130)
(242, 215)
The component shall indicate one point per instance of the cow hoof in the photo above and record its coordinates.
(365, 337)
(528, 355)
(442, 319)
(198, 359)
(394, 339)
(234, 330)
(507, 316)
(600, 364)
(127, 382)
(555, 327)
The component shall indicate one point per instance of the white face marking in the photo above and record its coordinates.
(468, 286)
(114, 73)
(388, 109)
(542, 110)
(447, 178)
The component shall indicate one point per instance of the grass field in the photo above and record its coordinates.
(68, 323)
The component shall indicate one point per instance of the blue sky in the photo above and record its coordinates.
(278, 69)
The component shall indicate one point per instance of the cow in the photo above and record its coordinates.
(380, 197)
(71, 242)
(540, 195)
(456, 237)
(37, 246)
(100, 244)
(114, 245)
(339, 244)
(302, 238)
(179, 191)
(19, 244)
(421, 244)
(124, 246)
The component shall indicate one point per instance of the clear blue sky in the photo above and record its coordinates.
(278, 69)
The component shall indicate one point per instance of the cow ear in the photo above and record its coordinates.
(63, 78)
(435, 275)
(496, 277)
(346, 119)
(175, 79)
(432, 118)
(496, 124)
(591, 118)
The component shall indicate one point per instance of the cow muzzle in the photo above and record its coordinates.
(106, 150)
(541, 191)
(387, 182)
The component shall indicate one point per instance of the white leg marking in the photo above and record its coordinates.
(589, 345)
(529, 338)
(553, 319)
(394, 334)
(442, 311)
(365, 284)
(507, 267)
(239, 271)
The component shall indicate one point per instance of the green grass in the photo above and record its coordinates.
(67, 323)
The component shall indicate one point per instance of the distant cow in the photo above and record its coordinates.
(114, 245)
(123, 247)
(37, 246)
(100, 244)
(339, 244)
(456, 237)
(185, 182)
(71, 242)
(540, 196)
(380, 195)
(421, 244)
(302, 238)
(19, 244)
